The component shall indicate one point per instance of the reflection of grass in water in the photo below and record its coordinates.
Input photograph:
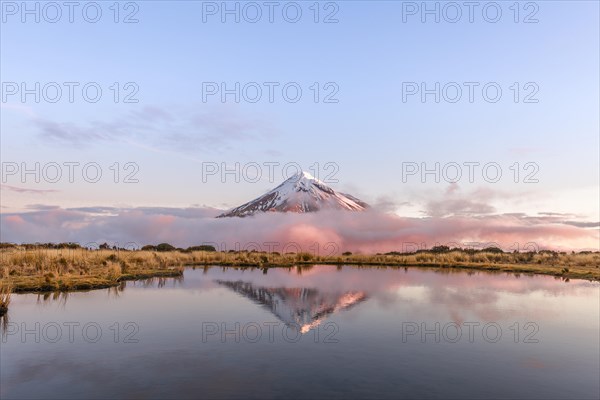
(5, 291)
(150, 282)
(160, 281)
(4, 321)
(43, 269)
(46, 298)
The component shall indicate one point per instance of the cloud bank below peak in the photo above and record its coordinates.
(334, 231)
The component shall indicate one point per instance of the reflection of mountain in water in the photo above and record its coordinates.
(303, 307)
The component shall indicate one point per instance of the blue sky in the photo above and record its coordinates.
(368, 133)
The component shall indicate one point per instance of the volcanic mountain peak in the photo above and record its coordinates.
(300, 193)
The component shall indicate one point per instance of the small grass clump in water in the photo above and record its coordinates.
(5, 291)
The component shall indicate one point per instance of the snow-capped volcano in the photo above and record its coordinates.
(300, 193)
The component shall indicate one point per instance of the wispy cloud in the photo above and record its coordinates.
(27, 190)
(582, 224)
(453, 207)
(455, 202)
(41, 207)
(199, 129)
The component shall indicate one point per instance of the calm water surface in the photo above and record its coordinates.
(325, 331)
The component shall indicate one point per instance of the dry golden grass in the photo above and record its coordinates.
(5, 291)
(75, 269)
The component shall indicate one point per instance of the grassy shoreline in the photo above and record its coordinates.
(509, 268)
(45, 270)
(32, 284)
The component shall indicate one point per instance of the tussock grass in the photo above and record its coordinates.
(42, 269)
(81, 269)
(5, 291)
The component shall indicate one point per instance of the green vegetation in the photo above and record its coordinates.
(168, 247)
(200, 248)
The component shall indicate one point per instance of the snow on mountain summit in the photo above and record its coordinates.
(300, 193)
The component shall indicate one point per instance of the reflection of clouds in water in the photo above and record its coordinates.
(171, 360)
(458, 295)
(490, 296)
(373, 279)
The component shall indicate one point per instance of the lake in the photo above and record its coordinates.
(321, 331)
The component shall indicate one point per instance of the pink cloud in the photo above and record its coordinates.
(365, 232)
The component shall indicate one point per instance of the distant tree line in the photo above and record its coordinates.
(165, 247)
(29, 246)
(169, 247)
(491, 249)
(104, 246)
